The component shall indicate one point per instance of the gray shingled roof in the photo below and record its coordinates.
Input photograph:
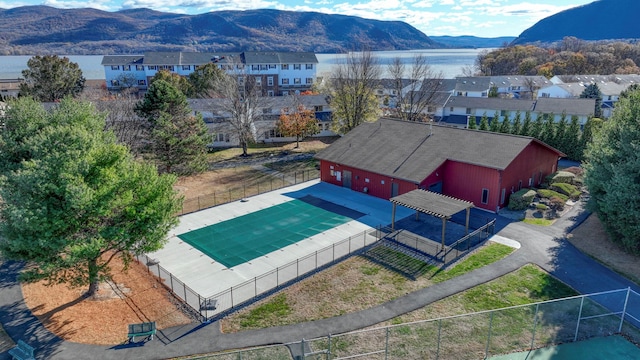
(273, 57)
(580, 107)
(122, 60)
(480, 83)
(491, 103)
(406, 150)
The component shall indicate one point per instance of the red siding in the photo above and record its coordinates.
(377, 185)
(535, 161)
(466, 182)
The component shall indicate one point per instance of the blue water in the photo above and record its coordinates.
(448, 61)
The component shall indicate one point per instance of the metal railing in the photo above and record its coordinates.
(477, 335)
(276, 181)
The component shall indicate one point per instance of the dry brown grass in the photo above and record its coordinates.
(67, 313)
(591, 238)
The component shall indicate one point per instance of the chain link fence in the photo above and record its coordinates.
(472, 336)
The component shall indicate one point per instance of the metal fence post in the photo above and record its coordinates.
(386, 345)
(184, 289)
(231, 294)
(486, 350)
(329, 346)
(244, 190)
(304, 356)
(171, 281)
(439, 337)
(624, 309)
(214, 199)
(199, 203)
(535, 325)
(575, 337)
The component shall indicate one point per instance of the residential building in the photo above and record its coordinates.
(264, 129)
(392, 157)
(278, 73)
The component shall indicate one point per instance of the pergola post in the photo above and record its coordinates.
(444, 230)
(393, 217)
(466, 225)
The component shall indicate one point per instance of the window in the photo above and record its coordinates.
(221, 137)
(270, 93)
(285, 81)
(186, 67)
(258, 80)
(115, 83)
(468, 111)
(285, 93)
(451, 109)
(115, 67)
(530, 182)
(241, 80)
(309, 66)
(266, 110)
(140, 67)
(485, 196)
(503, 112)
(502, 195)
(297, 81)
(285, 66)
(317, 108)
(270, 80)
(484, 94)
(296, 66)
(167, 67)
(142, 82)
(263, 67)
(255, 67)
(152, 67)
(309, 81)
(126, 67)
(272, 66)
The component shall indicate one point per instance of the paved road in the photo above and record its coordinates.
(544, 246)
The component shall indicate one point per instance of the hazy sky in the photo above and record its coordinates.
(485, 18)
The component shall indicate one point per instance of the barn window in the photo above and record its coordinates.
(366, 180)
(519, 184)
(502, 196)
(530, 182)
(485, 196)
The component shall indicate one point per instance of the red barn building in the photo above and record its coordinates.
(389, 157)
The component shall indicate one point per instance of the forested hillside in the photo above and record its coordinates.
(48, 30)
(570, 56)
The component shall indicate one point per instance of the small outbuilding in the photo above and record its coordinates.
(390, 157)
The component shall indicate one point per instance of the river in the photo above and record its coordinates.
(448, 61)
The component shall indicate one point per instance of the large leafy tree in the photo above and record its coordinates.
(74, 199)
(178, 137)
(612, 173)
(298, 122)
(203, 80)
(351, 90)
(50, 78)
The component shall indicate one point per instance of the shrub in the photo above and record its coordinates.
(520, 200)
(557, 202)
(566, 189)
(542, 207)
(575, 170)
(548, 194)
(562, 177)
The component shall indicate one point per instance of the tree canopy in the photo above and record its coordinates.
(74, 199)
(611, 173)
(50, 78)
(592, 91)
(298, 122)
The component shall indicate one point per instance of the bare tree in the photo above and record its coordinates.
(352, 94)
(128, 127)
(416, 86)
(241, 103)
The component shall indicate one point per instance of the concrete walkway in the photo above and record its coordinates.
(544, 246)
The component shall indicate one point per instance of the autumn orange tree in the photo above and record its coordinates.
(299, 122)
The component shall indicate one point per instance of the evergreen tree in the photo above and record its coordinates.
(51, 78)
(592, 126)
(516, 127)
(592, 91)
(548, 129)
(471, 122)
(538, 125)
(76, 199)
(527, 125)
(203, 81)
(162, 97)
(572, 146)
(505, 126)
(495, 123)
(611, 173)
(559, 137)
(484, 123)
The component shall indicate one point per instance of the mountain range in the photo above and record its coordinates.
(599, 20)
(37, 29)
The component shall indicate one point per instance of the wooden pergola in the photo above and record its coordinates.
(434, 204)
